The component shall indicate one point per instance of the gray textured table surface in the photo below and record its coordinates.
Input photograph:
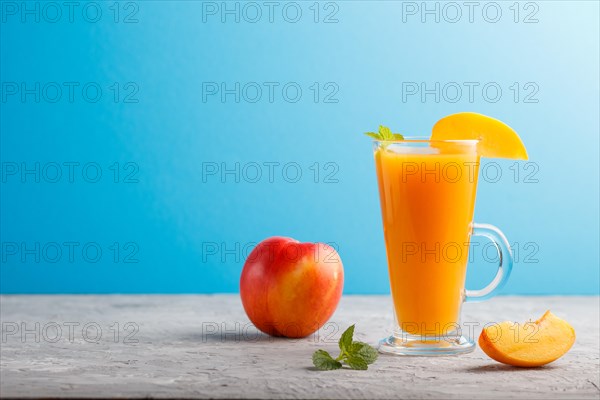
(204, 347)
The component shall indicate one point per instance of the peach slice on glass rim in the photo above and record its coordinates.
(496, 139)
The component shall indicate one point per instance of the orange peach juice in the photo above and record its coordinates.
(427, 192)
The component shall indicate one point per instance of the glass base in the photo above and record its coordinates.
(414, 345)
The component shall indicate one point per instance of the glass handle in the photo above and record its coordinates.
(504, 267)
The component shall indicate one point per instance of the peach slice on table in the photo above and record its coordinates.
(496, 139)
(531, 344)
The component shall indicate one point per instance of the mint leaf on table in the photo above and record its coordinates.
(356, 362)
(324, 362)
(365, 351)
(357, 355)
(345, 342)
(384, 134)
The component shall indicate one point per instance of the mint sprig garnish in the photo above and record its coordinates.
(357, 355)
(385, 133)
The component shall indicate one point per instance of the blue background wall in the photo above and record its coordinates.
(188, 231)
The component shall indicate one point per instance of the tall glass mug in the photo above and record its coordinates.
(427, 191)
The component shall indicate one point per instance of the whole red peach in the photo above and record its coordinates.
(290, 288)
